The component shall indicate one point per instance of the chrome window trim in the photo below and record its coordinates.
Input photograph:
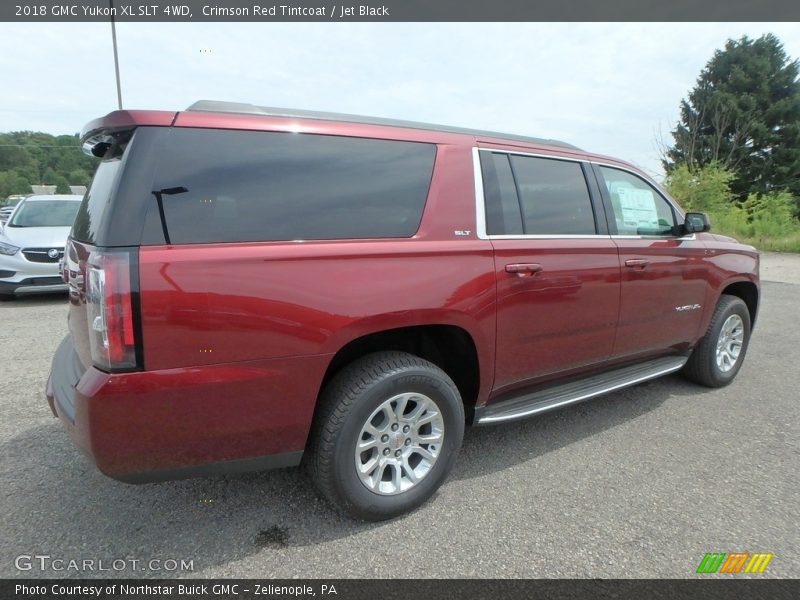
(480, 206)
(536, 154)
(685, 238)
(544, 236)
(480, 201)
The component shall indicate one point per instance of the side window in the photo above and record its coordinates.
(553, 196)
(503, 216)
(238, 186)
(638, 208)
(526, 195)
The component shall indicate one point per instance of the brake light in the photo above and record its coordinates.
(109, 308)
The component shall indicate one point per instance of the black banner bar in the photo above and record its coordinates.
(337, 11)
(385, 589)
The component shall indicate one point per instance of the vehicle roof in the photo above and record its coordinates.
(240, 116)
(268, 111)
(67, 197)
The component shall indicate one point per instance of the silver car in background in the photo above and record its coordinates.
(32, 244)
(5, 212)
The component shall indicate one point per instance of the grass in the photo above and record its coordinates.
(769, 233)
(766, 221)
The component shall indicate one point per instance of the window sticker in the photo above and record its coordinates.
(638, 208)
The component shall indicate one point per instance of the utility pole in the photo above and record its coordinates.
(116, 57)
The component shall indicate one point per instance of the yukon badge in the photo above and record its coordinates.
(687, 307)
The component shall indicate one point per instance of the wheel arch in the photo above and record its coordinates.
(749, 293)
(450, 347)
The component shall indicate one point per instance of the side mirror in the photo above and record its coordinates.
(696, 222)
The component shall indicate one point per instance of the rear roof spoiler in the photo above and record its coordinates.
(98, 134)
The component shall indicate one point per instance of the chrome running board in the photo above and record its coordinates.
(541, 401)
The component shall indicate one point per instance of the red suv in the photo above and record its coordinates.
(253, 287)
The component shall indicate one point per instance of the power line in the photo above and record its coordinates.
(35, 146)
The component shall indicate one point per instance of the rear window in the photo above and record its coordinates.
(98, 197)
(230, 186)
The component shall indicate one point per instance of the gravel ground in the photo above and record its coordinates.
(639, 483)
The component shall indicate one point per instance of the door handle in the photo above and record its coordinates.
(634, 263)
(524, 269)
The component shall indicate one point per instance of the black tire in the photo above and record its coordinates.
(347, 403)
(702, 366)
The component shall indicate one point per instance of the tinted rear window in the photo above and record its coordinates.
(225, 186)
(553, 195)
(503, 213)
(98, 197)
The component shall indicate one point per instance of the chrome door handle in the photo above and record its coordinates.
(524, 269)
(637, 263)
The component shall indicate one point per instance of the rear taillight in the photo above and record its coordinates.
(109, 308)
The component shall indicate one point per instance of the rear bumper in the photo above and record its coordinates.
(158, 425)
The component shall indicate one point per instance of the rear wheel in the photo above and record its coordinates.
(718, 357)
(386, 436)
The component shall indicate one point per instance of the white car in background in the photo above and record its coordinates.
(5, 211)
(32, 244)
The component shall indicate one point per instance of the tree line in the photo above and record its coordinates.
(735, 151)
(34, 158)
(736, 148)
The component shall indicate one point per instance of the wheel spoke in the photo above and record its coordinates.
(367, 444)
(427, 418)
(397, 476)
(433, 438)
(416, 412)
(368, 467)
(425, 454)
(372, 430)
(388, 417)
(409, 471)
(401, 405)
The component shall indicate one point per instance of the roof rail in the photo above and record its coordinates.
(251, 109)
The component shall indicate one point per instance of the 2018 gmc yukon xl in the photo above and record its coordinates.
(252, 288)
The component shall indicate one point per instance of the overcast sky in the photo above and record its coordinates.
(606, 87)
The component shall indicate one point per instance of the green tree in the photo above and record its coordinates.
(62, 185)
(763, 220)
(704, 189)
(49, 176)
(79, 177)
(28, 157)
(13, 183)
(744, 115)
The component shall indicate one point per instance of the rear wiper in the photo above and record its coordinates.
(159, 200)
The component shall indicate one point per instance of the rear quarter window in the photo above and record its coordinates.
(237, 186)
(98, 197)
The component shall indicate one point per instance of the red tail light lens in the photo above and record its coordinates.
(109, 307)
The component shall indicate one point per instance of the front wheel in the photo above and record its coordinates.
(719, 355)
(386, 435)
